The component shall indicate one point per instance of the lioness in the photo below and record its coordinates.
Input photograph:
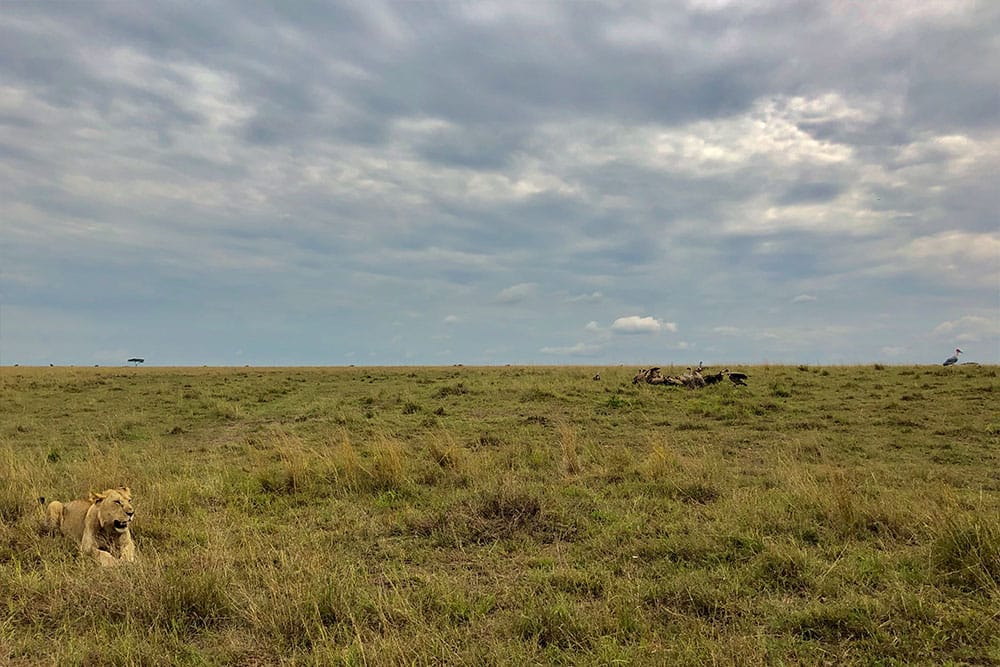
(99, 524)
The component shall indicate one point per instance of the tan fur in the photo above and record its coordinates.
(100, 525)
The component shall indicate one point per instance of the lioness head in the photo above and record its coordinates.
(114, 508)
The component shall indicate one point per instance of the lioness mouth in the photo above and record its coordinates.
(121, 526)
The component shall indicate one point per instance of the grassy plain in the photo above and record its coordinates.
(515, 515)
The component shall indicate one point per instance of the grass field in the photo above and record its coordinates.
(514, 515)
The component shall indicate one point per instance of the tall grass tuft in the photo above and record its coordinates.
(557, 625)
(451, 459)
(105, 465)
(840, 621)
(444, 450)
(289, 465)
(23, 480)
(690, 481)
(188, 599)
(692, 595)
(783, 567)
(618, 464)
(348, 471)
(568, 446)
(14, 500)
(966, 552)
(661, 463)
(388, 469)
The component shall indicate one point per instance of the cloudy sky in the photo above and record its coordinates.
(499, 182)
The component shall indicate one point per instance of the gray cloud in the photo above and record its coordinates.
(297, 169)
(516, 293)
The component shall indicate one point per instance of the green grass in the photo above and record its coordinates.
(515, 515)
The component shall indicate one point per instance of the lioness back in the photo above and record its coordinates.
(72, 518)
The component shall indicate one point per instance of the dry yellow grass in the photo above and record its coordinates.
(507, 516)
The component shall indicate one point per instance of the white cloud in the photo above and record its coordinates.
(635, 324)
(578, 350)
(803, 298)
(593, 297)
(439, 257)
(971, 328)
(954, 256)
(956, 246)
(890, 351)
(769, 132)
(452, 319)
(516, 293)
(890, 16)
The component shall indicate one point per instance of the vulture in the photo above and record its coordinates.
(648, 375)
(713, 378)
(737, 378)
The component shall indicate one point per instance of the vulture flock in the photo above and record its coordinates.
(692, 379)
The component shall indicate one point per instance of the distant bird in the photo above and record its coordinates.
(953, 359)
(737, 378)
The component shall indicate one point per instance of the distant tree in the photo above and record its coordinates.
(135, 361)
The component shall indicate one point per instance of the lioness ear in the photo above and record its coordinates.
(97, 497)
(125, 491)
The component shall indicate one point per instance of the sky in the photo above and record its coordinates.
(502, 182)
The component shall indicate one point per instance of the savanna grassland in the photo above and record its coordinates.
(515, 515)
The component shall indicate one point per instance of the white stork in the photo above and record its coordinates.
(953, 359)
